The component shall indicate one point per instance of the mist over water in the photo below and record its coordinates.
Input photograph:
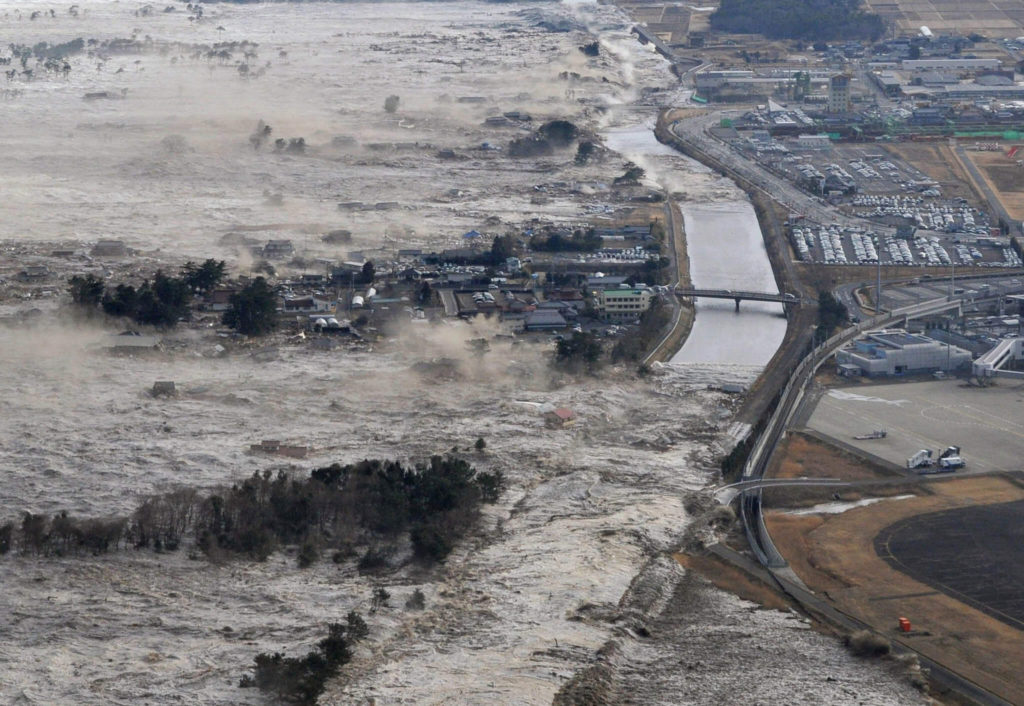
(82, 170)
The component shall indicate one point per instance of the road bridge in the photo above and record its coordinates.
(727, 493)
(737, 295)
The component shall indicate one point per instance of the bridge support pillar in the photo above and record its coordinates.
(737, 305)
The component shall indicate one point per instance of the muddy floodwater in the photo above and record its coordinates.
(146, 139)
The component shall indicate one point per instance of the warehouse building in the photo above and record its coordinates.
(949, 64)
(896, 352)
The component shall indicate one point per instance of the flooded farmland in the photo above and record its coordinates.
(146, 139)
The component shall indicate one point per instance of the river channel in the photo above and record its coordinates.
(726, 251)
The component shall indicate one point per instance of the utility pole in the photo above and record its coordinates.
(878, 289)
(949, 331)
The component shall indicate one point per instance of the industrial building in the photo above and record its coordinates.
(950, 64)
(896, 352)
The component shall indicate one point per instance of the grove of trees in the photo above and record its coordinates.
(831, 315)
(162, 301)
(578, 241)
(253, 311)
(301, 680)
(582, 352)
(372, 503)
(814, 20)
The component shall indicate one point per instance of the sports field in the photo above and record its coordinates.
(971, 553)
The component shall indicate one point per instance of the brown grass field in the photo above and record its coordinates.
(801, 455)
(1004, 176)
(938, 162)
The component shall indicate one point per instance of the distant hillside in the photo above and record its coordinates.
(814, 20)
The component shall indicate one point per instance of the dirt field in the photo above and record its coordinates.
(835, 556)
(937, 161)
(1005, 178)
(731, 579)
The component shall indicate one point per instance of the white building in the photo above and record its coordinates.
(896, 352)
(623, 303)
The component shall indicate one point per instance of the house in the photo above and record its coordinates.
(129, 343)
(276, 448)
(306, 305)
(163, 388)
(569, 294)
(220, 299)
(278, 249)
(544, 320)
(599, 280)
(109, 248)
(34, 273)
(570, 310)
(560, 418)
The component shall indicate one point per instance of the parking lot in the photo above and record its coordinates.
(837, 245)
(984, 422)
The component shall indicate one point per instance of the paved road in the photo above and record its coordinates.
(673, 233)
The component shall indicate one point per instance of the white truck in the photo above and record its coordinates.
(950, 459)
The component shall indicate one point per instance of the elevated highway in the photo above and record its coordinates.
(789, 400)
